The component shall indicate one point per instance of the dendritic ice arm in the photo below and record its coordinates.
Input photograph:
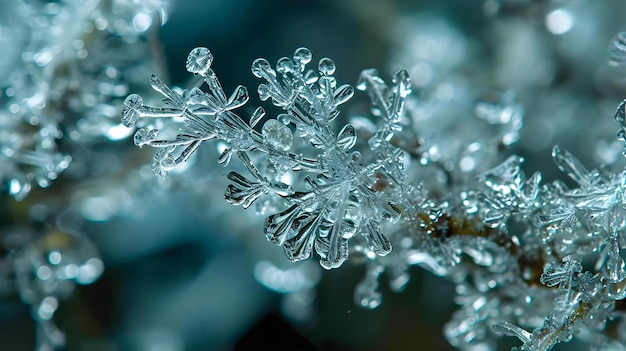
(330, 195)
(595, 209)
(586, 221)
(581, 300)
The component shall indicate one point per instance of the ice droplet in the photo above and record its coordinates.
(144, 135)
(617, 50)
(261, 67)
(277, 134)
(284, 65)
(199, 61)
(326, 66)
(302, 56)
(130, 110)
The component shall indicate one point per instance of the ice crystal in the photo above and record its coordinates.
(338, 197)
(512, 245)
(511, 193)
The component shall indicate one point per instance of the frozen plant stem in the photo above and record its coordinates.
(509, 243)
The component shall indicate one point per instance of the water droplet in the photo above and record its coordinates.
(369, 300)
(199, 61)
(277, 134)
(617, 291)
(326, 66)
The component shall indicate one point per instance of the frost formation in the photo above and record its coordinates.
(327, 191)
(516, 249)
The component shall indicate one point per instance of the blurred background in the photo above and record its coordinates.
(185, 271)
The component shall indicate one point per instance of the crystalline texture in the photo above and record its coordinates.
(130, 110)
(561, 275)
(509, 243)
(199, 61)
(337, 200)
(277, 134)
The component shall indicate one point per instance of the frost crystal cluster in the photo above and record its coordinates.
(323, 192)
(66, 68)
(62, 80)
(539, 261)
(437, 167)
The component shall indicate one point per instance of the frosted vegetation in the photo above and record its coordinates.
(538, 261)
